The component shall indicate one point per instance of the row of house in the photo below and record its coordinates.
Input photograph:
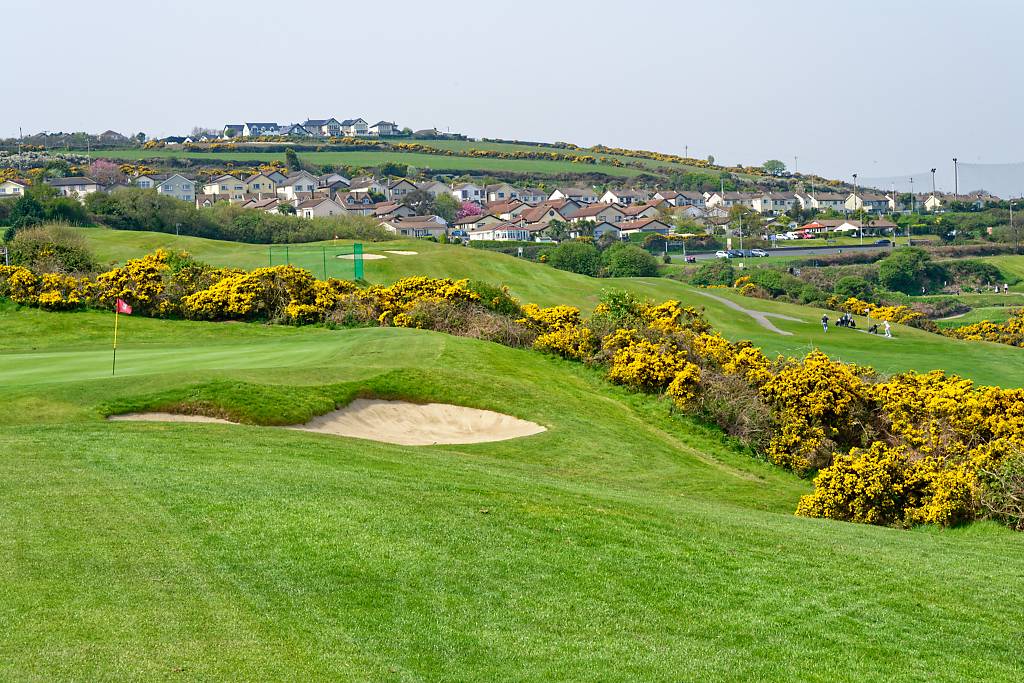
(313, 128)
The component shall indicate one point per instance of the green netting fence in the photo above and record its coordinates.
(344, 262)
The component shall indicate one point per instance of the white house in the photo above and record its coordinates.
(728, 199)
(468, 192)
(74, 187)
(477, 222)
(624, 197)
(13, 188)
(644, 225)
(532, 195)
(772, 203)
(260, 183)
(296, 183)
(294, 130)
(323, 127)
(252, 130)
(179, 187)
(434, 188)
(501, 232)
(577, 194)
(599, 211)
(384, 128)
(319, 207)
(355, 128)
(873, 203)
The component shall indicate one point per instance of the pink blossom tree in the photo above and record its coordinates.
(105, 172)
(468, 209)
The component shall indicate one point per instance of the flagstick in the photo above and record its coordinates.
(113, 365)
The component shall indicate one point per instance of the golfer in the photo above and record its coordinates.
(888, 330)
(824, 322)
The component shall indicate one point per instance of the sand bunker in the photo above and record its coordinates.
(366, 257)
(398, 422)
(401, 253)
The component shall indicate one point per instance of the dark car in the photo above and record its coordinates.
(736, 253)
(883, 243)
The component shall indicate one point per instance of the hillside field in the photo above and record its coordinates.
(987, 363)
(622, 544)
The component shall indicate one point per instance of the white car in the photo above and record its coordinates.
(760, 253)
(722, 254)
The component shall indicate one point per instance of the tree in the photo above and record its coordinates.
(420, 201)
(714, 272)
(852, 286)
(140, 137)
(745, 221)
(446, 206)
(576, 257)
(286, 209)
(774, 167)
(905, 270)
(711, 159)
(105, 172)
(557, 230)
(629, 260)
(393, 168)
(291, 160)
(468, 208)
(27, 211)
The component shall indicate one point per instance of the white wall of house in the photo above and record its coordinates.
(9, 188)
(178, 187)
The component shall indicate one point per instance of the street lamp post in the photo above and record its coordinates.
(933, 182)
(913, 198)
(956, 179)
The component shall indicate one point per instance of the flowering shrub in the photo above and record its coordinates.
(646, 366)
(894, 314)
(685, 385)
(139, 282)
(1010, 332)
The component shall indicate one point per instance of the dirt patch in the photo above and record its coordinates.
(397, 422)
(401, 253)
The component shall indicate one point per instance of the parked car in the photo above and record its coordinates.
(883, 243)
(691, 259)
(759, 253)
(722, 254)
(735, 253)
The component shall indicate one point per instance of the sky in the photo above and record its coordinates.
(878, 88)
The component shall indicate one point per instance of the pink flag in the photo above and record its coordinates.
(122, 307)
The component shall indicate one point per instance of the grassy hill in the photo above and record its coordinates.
(622, 544)
(533, 282)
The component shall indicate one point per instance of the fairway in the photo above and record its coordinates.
(621, 544)
(988, 363)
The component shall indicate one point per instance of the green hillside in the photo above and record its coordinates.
(537, 283)
(622, 544)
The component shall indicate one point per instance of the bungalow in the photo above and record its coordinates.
(822, 226)
(691, 211)
(177, 186)
(399, 188)
(870, 202)
(266, 204)
(644, 225)
(392, 210)
(13, 188)
(577, 194)
(292, 185)
(276, 176)
(253, 130)
(479, 222)
(624, 197)
(112, 136)
(323, 127)
(384, 128)
(640, 212)
(260, 183)
(549, 211)
(600, 212)
(685, 198)
(507, 210)
(501, 232)
(502, 192)
(319, 207)
(355, 128)
(230, 186)
(74, 187)
(468, 192)
(601, 229)
(933, 203)
(232, 130)
(416, 226)
(353, 199)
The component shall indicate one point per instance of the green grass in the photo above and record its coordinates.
(622, 544)
(1010, 266)
(370, 159)
(532, 282)
(996, 314)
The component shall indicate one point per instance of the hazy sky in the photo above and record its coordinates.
(875, 87)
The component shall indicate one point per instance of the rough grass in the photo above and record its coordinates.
(622, 544)
(538, 283)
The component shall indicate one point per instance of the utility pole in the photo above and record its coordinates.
(956, 179)
(933, 183)
(796, 164)
(854, 194)
(913, 199)
(686, 152)
(21, 142)
(1016, 242)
